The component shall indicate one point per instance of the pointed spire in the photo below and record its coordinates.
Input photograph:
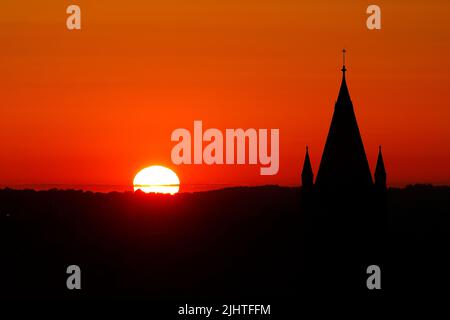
(380, 171)
(344, 164)
(307, 173)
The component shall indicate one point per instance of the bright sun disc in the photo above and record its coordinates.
(156, 179)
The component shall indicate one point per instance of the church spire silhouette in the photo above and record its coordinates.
(307, 173)
(344, 163)
(380, 172)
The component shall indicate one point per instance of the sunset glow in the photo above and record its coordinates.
(90, 106)
(157, 179)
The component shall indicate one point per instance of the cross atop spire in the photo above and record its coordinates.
(344, 96)
(343, 61)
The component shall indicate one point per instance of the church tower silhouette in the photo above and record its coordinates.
(344, 165)
(344, 213)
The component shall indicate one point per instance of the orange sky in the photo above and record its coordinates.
(95, 106)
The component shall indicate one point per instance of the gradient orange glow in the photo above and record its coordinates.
(94, 106)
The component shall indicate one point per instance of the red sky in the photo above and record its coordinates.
(97, 105)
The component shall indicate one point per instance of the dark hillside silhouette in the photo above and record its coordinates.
(239, 243)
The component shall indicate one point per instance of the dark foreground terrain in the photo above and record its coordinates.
(236, 245)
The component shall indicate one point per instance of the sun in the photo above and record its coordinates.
(156, 179)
